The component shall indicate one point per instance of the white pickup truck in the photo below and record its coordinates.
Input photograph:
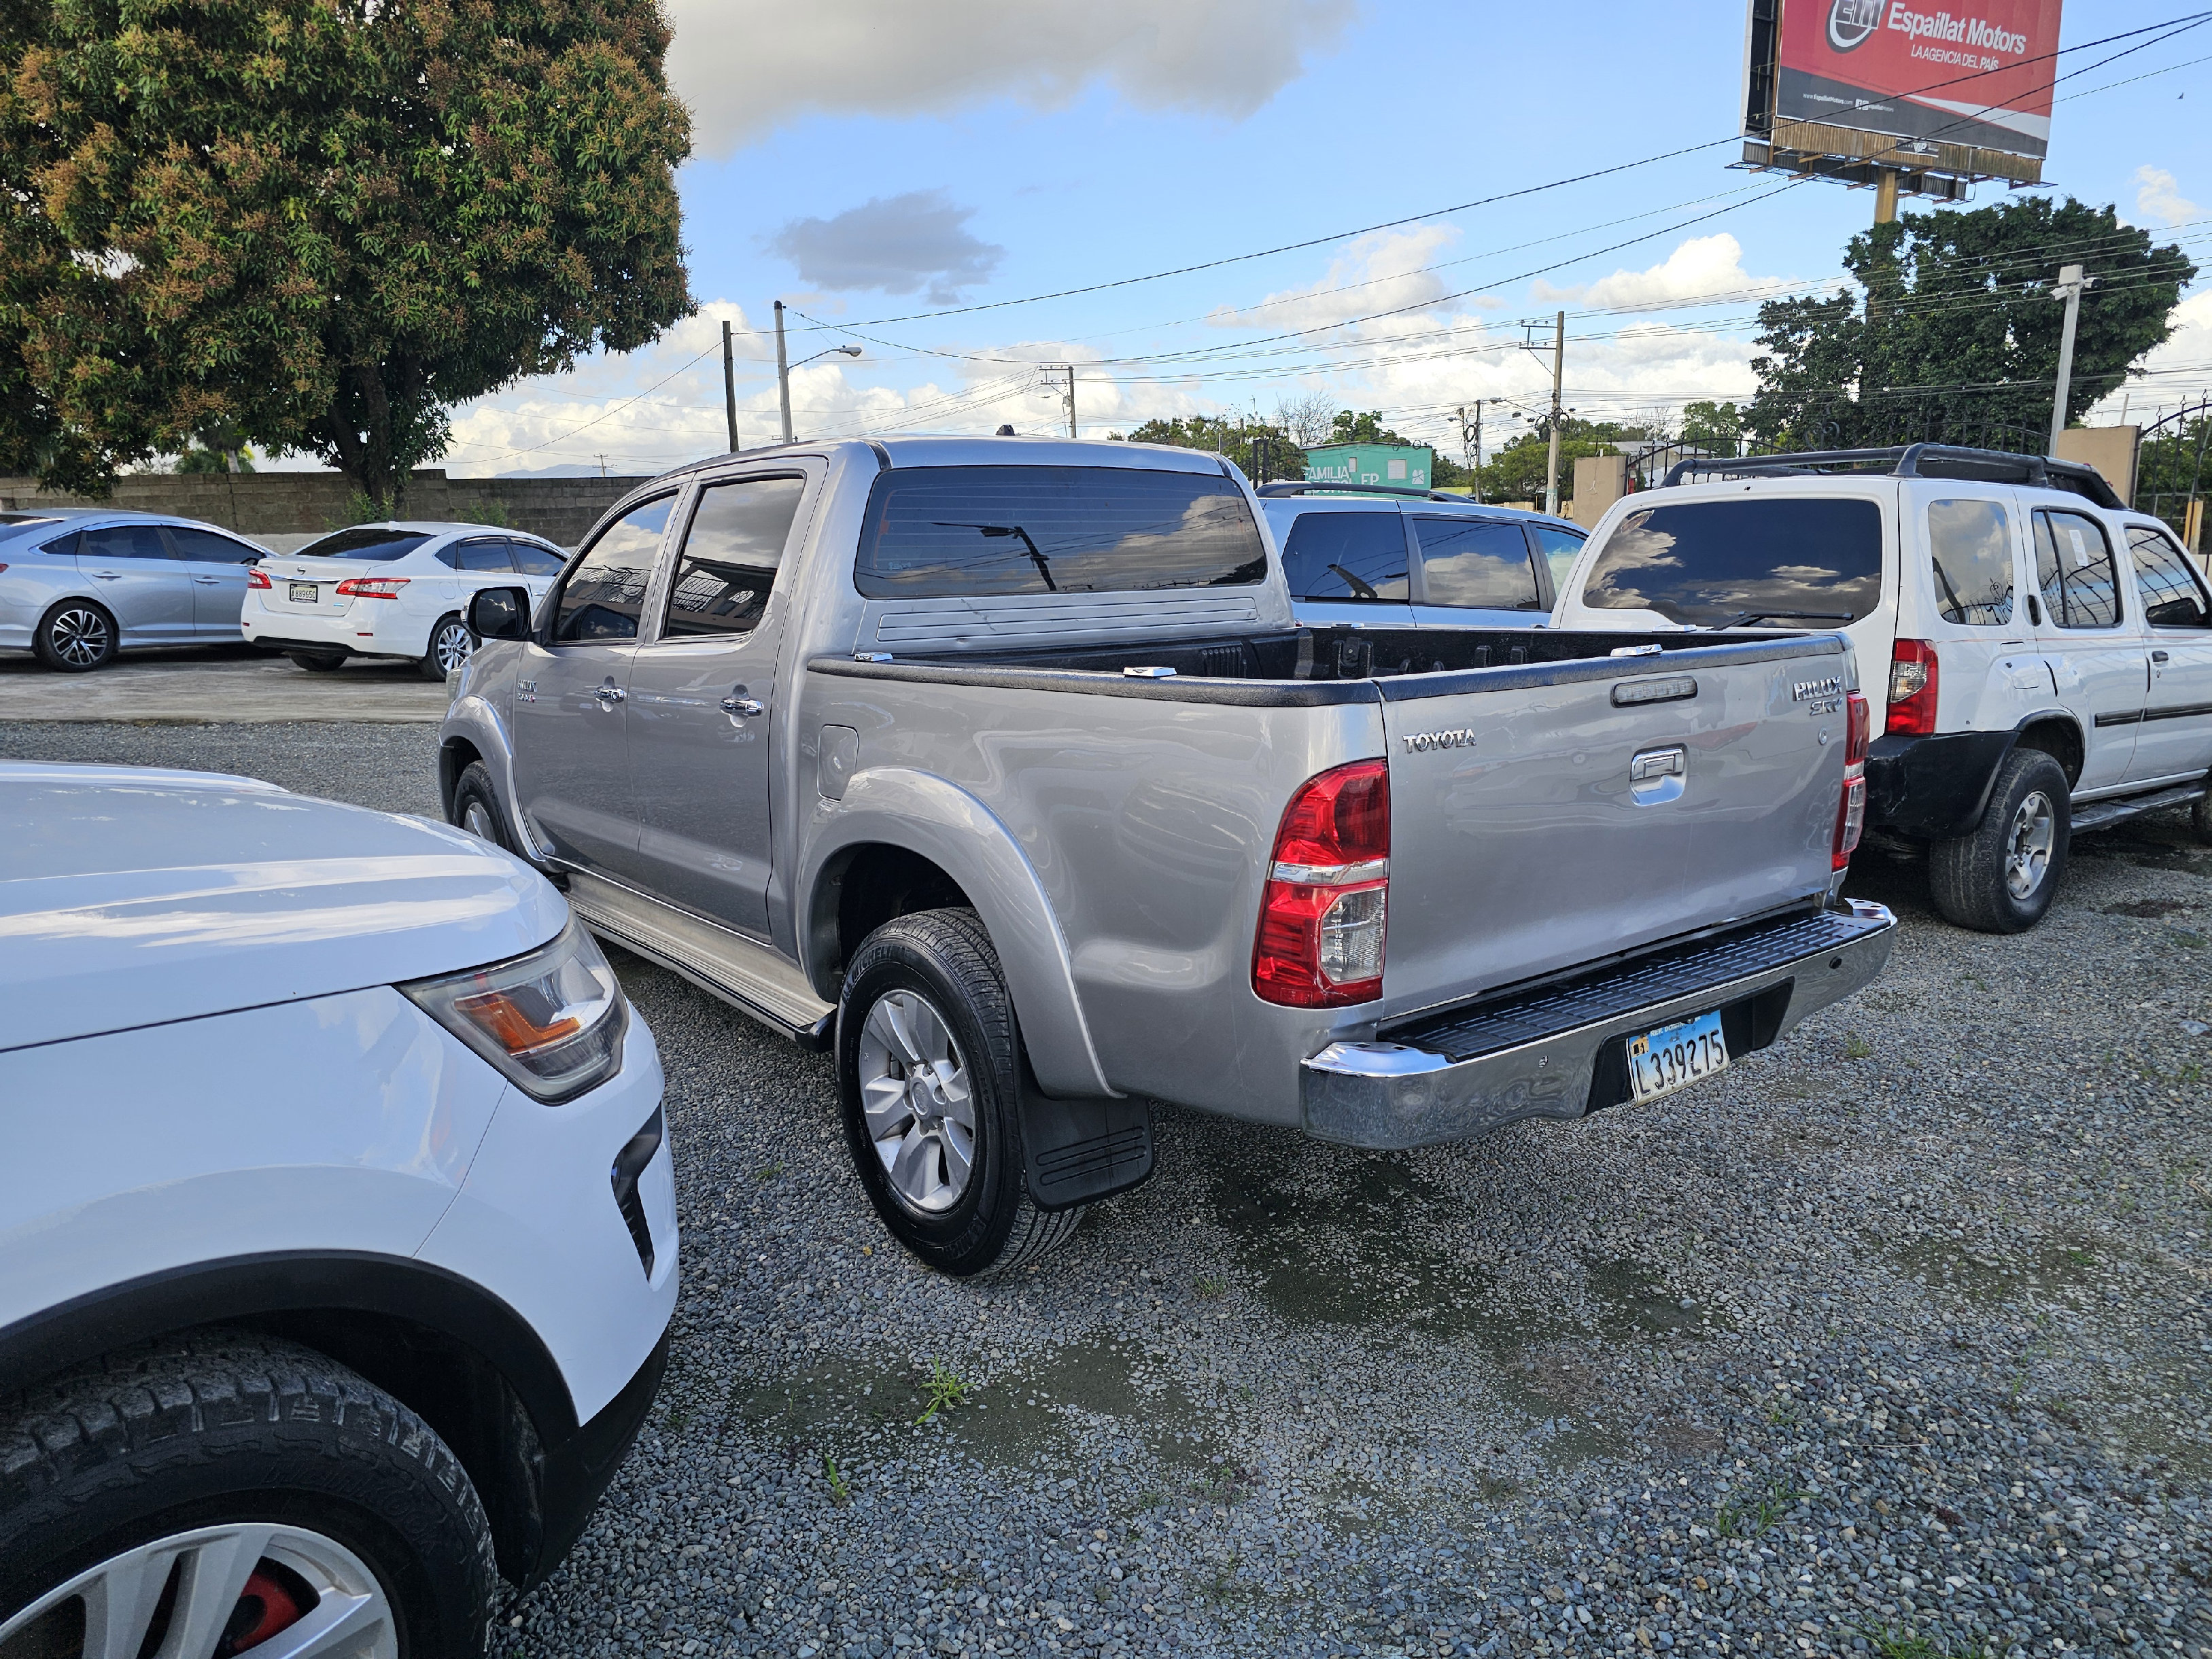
(1003, 766)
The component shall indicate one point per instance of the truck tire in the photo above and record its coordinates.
(925, 1037)
(2000, 878)
(476, 808)
(211, 1490)
(2200, 820)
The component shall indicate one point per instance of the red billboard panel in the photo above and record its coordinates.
(1979, 78)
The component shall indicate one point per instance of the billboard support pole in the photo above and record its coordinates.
(1552, 464)
(2068, 289)
(1885, 196)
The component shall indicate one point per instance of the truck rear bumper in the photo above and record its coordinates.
(1560, 1051)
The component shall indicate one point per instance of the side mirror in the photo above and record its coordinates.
(500, 613)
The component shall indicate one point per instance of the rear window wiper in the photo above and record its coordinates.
(1043, 565)
(1741, 617)
(1360, 588)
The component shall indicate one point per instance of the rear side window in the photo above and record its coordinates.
(2074, 570)
(2172, 596)
(372, 545)
(731, 554)
(532, 560)
(490, 554)
(603, 595)
(1476, 561)
(206, 547)
(1710, 564)
(1970, 551)
(1560, 549)
(1357, 557)
(946, 532)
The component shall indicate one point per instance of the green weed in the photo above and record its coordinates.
(1855, 1046)
(1738, 1516)
(841, 1492)
(1211, 1288)
(942, 1391)
(768, 1173)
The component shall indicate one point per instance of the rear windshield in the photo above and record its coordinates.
(371, 546)
(1712, 564)
(944, 532)
(1346, 557)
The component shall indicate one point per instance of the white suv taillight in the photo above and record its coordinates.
(550, 1022)
(1327, 902)
(1851, 811)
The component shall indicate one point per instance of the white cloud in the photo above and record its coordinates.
(893, 244)
(747, 66)
(1383, 270)
(2178, 372)
(2159, 197)
(1701, 268)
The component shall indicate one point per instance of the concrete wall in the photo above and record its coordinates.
(281, 510)
(1600, 481)
(2110, 449)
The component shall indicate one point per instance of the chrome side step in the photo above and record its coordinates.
(742, 972)
(2099, 814)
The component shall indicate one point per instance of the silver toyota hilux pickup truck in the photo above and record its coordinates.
(1000, 768)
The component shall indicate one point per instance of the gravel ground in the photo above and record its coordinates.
(1894, 1339)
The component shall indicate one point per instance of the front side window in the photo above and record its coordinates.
(2074, 571)
(367, 544)
(531, 560)
(1714, 564)
(603, 595)
(206, 547)
(1477, 562)
(1560, 549)
(946, 532)
(487, 555)
(122, 541)
(731, 554)
(1357, 557)
(1970, 553)
(2172, 595)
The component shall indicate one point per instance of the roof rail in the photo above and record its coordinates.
(1322, 488)
(1912, 461)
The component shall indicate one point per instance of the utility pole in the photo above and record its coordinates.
(1558, 371)
(782, 374)
(1071, 400)
(2068, 289)
(730, 386)
(1470, 441)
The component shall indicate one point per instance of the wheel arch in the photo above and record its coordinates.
(898, 827)
(2058, 735)
(458, 1356)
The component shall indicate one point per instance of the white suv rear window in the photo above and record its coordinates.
(1710, 564)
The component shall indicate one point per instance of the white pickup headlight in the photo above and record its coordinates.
(552, 1021)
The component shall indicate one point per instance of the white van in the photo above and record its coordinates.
(2049, 651)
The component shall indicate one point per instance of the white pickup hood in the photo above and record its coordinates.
(133, 897)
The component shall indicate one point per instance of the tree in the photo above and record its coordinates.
(1262, 450)
(1514, 472)
(1957, 338)
(1360, 428)
(1306, 417)
(322, 222)
(1714, 428)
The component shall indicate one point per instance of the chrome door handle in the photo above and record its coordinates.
(610, 694)
(743, 706)
(107, 575)
(208, 581)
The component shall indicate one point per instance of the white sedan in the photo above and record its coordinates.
(337, 1227)
(390, 590)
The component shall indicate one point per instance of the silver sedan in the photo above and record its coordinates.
(78, 585)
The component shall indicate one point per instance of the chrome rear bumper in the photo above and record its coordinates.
(1558, 1051)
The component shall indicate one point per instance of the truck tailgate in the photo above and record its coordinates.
(1548, 816)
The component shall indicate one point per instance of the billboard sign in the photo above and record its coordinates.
(1396, 466)
(1965, 91)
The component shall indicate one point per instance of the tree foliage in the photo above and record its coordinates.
(1514, 472)
(1957, 332)
(1263, 450)
(323, 223)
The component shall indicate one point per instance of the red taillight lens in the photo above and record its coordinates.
(1851, 811)
(1326, 906)
(372, 587)
(253, 578)
(1911, 688)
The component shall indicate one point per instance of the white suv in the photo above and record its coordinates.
(2049, 651)
(389, 590)
(337, 1227)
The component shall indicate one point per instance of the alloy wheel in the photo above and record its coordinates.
(915, 1097)
(79, 635)
(2027, 847)
(273, 1591)
(477, 819)
(451, 647)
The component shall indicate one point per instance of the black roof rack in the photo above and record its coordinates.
(1912, 461)
(1322, 488)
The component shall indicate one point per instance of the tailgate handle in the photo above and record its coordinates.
(1656, 764)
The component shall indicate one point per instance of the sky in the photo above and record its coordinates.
(898, 174)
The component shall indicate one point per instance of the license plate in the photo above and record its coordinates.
(1675, 1056)
(307, 594)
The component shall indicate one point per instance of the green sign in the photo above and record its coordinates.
(1396, 466)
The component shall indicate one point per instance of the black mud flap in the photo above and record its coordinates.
(1079, 1151)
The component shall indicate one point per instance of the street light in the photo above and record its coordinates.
(783, 370)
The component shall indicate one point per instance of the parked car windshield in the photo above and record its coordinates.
(1710, 563)
(942, 531)
(366, 543)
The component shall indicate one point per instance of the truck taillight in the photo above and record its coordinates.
(1911, 688)
(254, 578)
(1326, 902)
(1851, 811)
(372, 587)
